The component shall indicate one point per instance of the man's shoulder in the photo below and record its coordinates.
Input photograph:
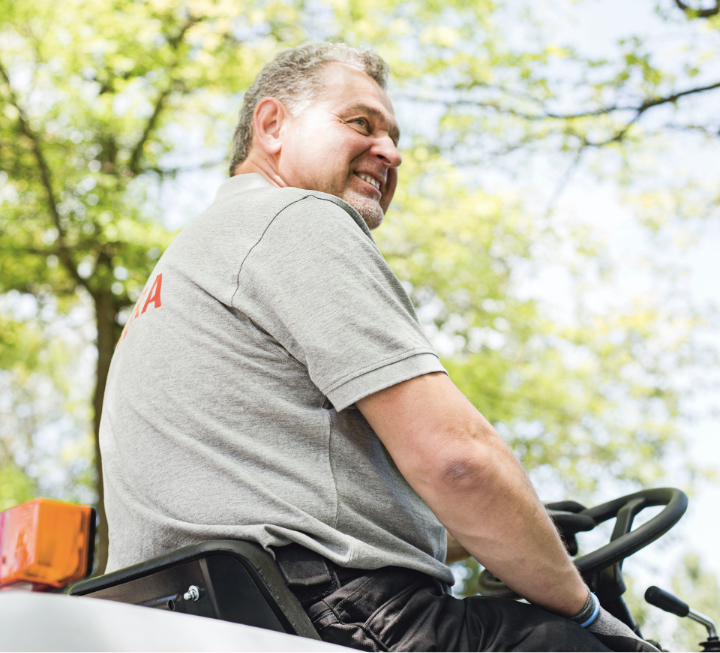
(239, 196)
(321, 204)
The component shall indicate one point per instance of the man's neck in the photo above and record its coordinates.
(262, 165)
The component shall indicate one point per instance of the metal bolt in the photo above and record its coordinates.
(193, 593)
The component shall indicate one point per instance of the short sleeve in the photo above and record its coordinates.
(317, 283)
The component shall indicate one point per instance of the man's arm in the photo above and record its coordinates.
(451, 456)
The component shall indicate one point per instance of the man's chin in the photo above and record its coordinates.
(369, 209)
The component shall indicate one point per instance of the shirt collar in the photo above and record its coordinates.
(241, 183)
(248, 181)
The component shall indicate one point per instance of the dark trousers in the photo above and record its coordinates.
(396, 609)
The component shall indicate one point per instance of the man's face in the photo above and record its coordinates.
(345, 144)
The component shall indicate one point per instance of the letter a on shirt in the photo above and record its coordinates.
(154, 296)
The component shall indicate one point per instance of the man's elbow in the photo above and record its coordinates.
(467, 477)
(465, 467)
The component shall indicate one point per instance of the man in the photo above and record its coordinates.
(273, 385)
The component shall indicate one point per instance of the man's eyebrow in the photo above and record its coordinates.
(393, 130)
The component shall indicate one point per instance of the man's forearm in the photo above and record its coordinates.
(469, 478)
(493, 511)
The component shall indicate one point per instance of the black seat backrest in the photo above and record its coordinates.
(235, 581)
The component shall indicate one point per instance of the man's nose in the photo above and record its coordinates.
(385, 148)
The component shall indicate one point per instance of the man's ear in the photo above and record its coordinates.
(269, 118)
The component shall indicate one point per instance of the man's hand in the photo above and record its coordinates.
(616, 635)
(608, 629)
(460, 467)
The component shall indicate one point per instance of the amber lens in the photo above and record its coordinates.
(44, 542)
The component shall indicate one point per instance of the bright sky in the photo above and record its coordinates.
(594, 27)
(699, 530)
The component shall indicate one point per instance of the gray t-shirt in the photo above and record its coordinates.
(229, 410)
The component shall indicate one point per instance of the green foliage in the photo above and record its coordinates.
(692, 583)
(700, 589)
(44, 432)
(75, 213)
(469, 570)
(15, 487)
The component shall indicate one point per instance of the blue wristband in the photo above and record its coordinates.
(595, 613)
(589, 612)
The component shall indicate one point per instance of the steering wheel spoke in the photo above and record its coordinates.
(625, 517)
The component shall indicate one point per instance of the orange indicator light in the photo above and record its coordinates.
(45, 542)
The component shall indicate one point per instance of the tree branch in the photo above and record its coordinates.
(46, 180)
(564, 181)
(676, 96)
(699, 13)
(174, 42)
(134, 165)
(702, 129)
(647, 104)
(171, 173)
(641, 108)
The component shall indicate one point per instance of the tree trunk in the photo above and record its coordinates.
(105, 312)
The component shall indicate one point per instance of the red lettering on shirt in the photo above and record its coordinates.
(154, 297)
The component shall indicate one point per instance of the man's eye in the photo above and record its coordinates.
(360, 121)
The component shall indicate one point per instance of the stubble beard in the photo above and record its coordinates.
(369, 209)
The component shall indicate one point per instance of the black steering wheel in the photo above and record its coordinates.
(571, 517)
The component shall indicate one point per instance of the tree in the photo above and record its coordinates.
(37, 395)
(100, 99)
(701, 591)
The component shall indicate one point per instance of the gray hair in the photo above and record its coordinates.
(294, 77)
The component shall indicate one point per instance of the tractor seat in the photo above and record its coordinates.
(221, 579)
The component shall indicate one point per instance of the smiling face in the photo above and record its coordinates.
(345, 144)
